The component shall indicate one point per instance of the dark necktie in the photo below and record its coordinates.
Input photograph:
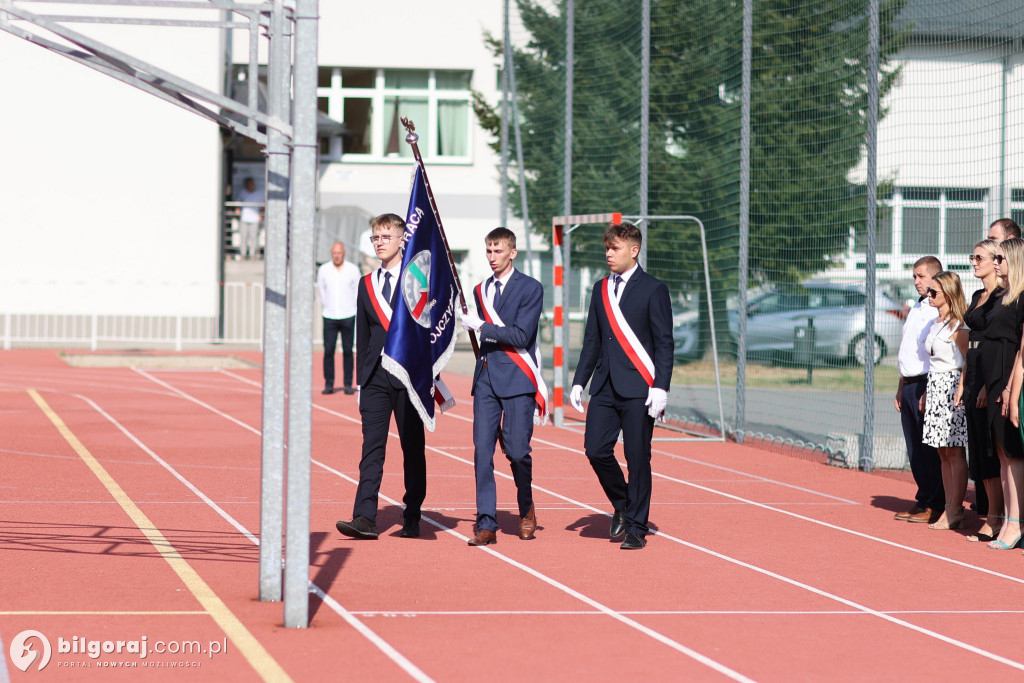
(386, 290)
(497, 293)
(618, 281)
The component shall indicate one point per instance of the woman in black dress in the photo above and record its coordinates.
(999, 357)
(984, 463)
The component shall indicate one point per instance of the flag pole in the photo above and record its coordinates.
(413, 139)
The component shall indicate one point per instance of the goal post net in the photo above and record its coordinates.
(695, 410)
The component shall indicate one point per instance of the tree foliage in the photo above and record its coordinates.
(808, 126)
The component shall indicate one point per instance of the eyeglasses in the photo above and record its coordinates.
(381, 239)
(998, 258)
(931, 292)
(977, 258)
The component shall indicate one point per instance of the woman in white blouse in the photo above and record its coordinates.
(945, 424)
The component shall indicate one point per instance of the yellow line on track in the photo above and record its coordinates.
(251, 649)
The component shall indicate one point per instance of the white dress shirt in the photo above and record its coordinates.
(489, 284)
(944, 354)
(625, 278)
(339, 288)
(913, 359)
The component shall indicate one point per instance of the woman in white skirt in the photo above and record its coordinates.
(945, 424)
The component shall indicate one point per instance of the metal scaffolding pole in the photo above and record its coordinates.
(275, 321)
(296, 180)
(300, 296)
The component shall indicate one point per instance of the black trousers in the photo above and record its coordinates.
(332, 328)
(607, 414)
(378, 399)
(925, 464)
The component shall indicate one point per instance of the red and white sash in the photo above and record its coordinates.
(625, 336)
(521, 357)
(380, 304)
(443, 396)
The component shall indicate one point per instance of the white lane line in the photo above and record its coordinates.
(665, 640)
(670, 613)
(761, 570)
(746, 475)
(400, 660)
(607, 611)
(766, 572)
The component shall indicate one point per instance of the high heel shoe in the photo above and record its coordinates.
(980, 537)
(955, 524)
(999, 545)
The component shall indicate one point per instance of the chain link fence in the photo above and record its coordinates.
(825, 146)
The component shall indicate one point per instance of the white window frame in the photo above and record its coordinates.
(337, 92)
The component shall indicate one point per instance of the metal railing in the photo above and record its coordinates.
(243, 324)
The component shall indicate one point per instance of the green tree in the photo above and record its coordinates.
(809, 98)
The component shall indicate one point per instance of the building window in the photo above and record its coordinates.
(919, 221)
(371, 103)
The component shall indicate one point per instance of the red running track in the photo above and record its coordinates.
(130, 503)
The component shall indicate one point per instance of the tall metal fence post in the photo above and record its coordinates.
(300, 294)
(645, 121)
(505, 95)
(275, 312)
(867, 447)
(570, 58)
(743, 257)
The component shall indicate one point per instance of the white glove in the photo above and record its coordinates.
(657, 401)
(576, 397)
(359, 392)
(471, 321)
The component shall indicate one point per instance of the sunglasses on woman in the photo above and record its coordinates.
(998, 258)
(931, 292)
(977, 258)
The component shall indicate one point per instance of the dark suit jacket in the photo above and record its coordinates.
(519, 307)
(647, 308)
(370, 334)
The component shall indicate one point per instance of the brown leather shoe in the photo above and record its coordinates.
(926, 516)
(528, 524)
(483, 537)
(904, 516)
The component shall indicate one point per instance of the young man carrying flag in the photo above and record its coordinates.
(406, 334)
(506, 382)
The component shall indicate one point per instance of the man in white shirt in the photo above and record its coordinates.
(249, 221)
(913, 361)
(338, 282)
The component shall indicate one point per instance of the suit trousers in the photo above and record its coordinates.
(332, 328)
(378, 399)
(516, 430)
(925, 464)
(607, 414)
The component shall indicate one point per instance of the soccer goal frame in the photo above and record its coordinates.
(562, 228)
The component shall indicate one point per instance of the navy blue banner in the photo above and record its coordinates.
(421, 337)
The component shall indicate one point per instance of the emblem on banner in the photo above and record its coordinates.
(416, 288)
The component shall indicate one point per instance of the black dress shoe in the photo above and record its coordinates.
(633, 542)
(350, 390)
(327, 390)
(360, 527)
(618, 526)
(411, 529)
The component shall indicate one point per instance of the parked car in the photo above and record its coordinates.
(686, 336)
(838, 314)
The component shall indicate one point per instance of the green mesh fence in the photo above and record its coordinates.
(950, 82)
